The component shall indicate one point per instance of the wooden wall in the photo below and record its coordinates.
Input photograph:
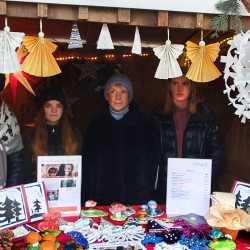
(149, 94)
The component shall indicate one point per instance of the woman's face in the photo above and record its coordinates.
(53, 111)
(118, 97)
(68, 169)
(180, 88)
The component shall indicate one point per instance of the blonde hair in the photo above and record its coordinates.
(192, 100)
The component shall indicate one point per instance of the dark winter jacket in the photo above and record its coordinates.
(15, 163)
(200, 140)
(121, 158)
(55, 147)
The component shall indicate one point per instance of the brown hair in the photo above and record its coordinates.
(192, 103)
(40, 141)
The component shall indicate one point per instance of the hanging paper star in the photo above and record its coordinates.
(168, 66)
(75, 40)
(203, 57)
(105, 40)
(40, 61)
(9, 41)
(136, 49)
(18, 77)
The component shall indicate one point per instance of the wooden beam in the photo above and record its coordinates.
(123, 15)
(102, 15)
(200, 20)
(162, 19)
(42, 10)
(3, 8)
(63, 12)
(83, 13)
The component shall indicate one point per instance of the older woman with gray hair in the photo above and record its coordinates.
(121, 149)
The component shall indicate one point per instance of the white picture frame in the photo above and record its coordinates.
(62, 179)
(36, 200)
(13, 207)
(241, 190)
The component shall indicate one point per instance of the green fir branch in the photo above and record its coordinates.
(229, 8)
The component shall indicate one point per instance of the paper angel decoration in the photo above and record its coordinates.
(9, 41)
(168, 66)
(105, 41)
(75, 40)
(237, 74)
(202, 57)
(40, 61)
(136, 49)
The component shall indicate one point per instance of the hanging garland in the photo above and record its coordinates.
(236, 74)
(230, 10)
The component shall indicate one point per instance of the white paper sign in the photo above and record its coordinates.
(62, 179)
(188, 186)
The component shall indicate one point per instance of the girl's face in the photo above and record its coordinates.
(53, 111)
(180, 88)
(68, 169)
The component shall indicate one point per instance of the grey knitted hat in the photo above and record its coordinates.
(119, 79)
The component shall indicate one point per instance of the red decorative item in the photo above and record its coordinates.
(63, 238)
(50, 222)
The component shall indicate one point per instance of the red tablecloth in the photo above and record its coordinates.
(243, 240)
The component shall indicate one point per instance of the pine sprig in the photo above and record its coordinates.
(229, 8)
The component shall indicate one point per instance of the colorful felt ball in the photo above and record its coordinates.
(222, 245)
(33, 237)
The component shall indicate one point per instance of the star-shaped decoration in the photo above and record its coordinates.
(18, 77)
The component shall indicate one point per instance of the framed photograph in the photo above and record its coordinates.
(13, 207)
(36, 199)
(62, 179)
(242, 192)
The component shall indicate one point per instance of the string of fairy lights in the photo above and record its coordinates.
(112, 56)
(99, 57)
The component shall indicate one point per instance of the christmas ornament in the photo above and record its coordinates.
(9, 41)
(237, 75)
(105, 41)
(75, 40)
(136, 49)
(203, 57)
(21, 77)
(40, 61)
(168, 66)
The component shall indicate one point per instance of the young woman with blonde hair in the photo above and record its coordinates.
(188, 129)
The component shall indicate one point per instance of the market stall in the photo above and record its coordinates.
(81, 44)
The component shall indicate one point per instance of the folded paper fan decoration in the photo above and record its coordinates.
(75, 40)
(136, 49)
(202, 57)
(9, 41)
(105, 41)
(168, 66)
(40, 61)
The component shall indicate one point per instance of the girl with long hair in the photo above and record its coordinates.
(53, 133)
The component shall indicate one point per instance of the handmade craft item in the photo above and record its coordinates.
(117, 211)
(222, 245)
(6, 238)
(168, 66)
(153, 210)
(75, 40)
(136, 48)
(105, 41)
(40, 60)
(91, 213)
(202, 57)
(223, 214)
(237, 73)
(9, 41)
